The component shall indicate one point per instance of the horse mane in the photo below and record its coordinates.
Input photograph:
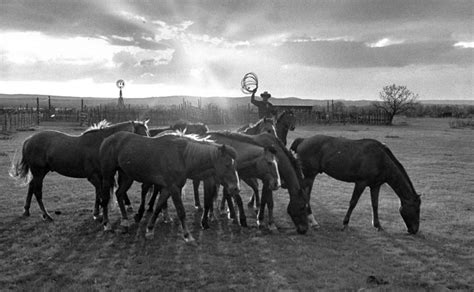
(97, 126)
(400, 166)
(296, 163)
(282, 114)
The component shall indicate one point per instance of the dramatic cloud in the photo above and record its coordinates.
(322, 49)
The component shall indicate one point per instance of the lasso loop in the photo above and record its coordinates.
(249, 83)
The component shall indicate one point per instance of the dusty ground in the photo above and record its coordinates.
(74, 254)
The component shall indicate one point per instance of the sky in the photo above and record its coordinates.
(333, 49)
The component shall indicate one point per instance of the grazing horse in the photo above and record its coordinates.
(285, 121)
(166, 161)
(292, 179)
(264, 125)
(253, 160)
(367, 163)
(68, 155)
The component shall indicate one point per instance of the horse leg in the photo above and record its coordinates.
(269, 195)
(308, 186)
(96, 181)
(197, 203)
(209, 193)
(125, 197)
(141, 209)
(253, 184)
(107, 185)
(374, 196)
(261, 210)
(164, 195)
(124, 184)
(36, 187)
(240, 205)
(228, 198)
(358, 190)
(178, 203)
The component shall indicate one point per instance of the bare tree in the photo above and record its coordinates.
(395, 100)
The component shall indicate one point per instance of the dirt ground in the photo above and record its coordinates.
(73, 253)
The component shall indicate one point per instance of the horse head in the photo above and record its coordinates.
(287, 119)
(298, 211)
(410, 212)
(225, 167)
(268, 165)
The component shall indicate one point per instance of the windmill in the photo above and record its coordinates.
(120, 84)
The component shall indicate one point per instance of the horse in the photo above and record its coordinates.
(292, 178)
(365, 162)
(285, 121)
(68, 155)
(166, 161)
(264, 125)
(253, 160)
(183, 127)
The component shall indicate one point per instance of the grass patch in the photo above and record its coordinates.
(461, 123)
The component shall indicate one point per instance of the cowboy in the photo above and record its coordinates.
(265, 108)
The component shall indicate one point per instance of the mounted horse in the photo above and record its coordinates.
(253, 161)
(166, 161)
(68, 155)
(285, 121)
(367, 163)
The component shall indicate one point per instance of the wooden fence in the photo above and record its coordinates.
(209, 114)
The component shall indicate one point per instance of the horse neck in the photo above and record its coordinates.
(281, 131)
(288, 173)
(399, 181)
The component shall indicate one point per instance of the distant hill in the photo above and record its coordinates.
(22, 100)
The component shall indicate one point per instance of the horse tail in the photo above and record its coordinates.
(20, 170)
(295, 144)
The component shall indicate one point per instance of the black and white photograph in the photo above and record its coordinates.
(232, 145)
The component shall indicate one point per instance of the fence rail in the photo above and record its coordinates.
(210, 114)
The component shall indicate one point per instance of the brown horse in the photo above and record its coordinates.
(285, 121)
(253, 161)
(264, 125)
(166, 161)
(68, 155)
(367, 163)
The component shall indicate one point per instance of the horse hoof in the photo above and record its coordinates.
(149, 233)
(189, 239)
(124, 229)
(243, 223)
(47, 218)
(26, 214)
(198, 208)
(345, 227)
(108, 228)
(129, 209)
(204, 225)
(98, 218)
(137, 218)
(272, 227)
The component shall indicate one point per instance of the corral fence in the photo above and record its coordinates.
(18, 119)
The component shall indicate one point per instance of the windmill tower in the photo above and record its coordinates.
(120, 84)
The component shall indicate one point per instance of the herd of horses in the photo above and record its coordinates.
(163, 159)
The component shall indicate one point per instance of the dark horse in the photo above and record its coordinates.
(367, 163)
(166, 161)
(183, 127)
(285, 121)
(264, 125)
(253, 160)
(292, 179)
(68, 155)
